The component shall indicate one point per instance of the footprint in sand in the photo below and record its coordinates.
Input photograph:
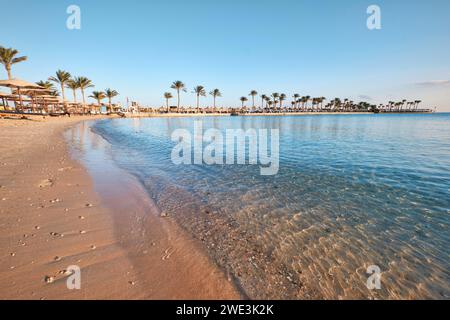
(167, 253)
(46, 183)
(49, 279)
(56, 234)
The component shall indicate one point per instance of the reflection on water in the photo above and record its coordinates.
(352, 191)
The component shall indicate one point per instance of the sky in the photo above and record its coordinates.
(315, 48)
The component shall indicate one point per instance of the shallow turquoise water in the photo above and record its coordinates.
(352, 191)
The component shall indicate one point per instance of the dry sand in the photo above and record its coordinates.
(51, 218)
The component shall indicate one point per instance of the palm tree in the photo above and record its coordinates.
(307, 98)
(263, 98)
(49, 86)
(167, 96)
(61, 78)
(179, 86)
(200, 92)
(270, 103)
(109, 93)
(296, 96)
(73, 85)
(215, 93)
(243, 100)
(46, 84)
(275, 96)
(402, 104)
(282, 98)
(99, 96)
(322, 99)
(83, 83)
(417, 102)
(253, 93)
(8, 58)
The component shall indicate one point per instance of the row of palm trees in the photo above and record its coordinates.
(300, 103)
(199, 91)
(8, 57)
(65, 80)
(274, 102)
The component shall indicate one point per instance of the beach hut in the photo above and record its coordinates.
(19, 85)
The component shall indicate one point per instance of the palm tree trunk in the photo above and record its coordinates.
(198, 107)
(64, 97)
(84, 100)
(8, 70)
(178, 105)
(214, 103)
(167, 105)
(62, 93)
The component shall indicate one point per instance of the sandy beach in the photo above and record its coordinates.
(51, 218)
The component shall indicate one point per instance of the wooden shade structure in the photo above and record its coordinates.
(34, 94)
(19, 85)
(4, 97)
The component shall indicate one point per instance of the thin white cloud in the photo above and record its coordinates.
(434, 83)
(365, 97)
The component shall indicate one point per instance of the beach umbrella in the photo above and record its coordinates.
(4, 96)
(19, 85)
(47, 99)
(35, 92)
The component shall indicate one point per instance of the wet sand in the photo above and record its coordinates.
(52, 218)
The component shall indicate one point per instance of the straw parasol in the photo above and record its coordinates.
(4, 96)
(19, 84)
(34, 94)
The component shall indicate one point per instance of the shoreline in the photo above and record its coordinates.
(180, 115)
(56, 216)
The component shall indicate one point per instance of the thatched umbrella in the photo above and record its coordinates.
(4, 97)
(19, 84)
(52, 100)
(33, 93)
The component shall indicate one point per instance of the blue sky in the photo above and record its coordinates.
(316, 48)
